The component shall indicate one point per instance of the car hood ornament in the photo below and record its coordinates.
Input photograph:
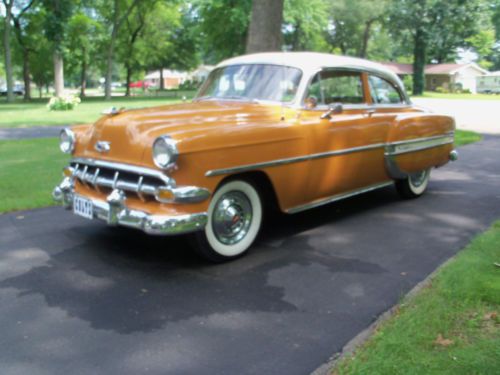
(102, 146)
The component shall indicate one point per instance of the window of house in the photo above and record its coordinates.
(384, 92)
(331, 86)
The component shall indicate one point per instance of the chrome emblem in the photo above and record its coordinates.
(102, 146)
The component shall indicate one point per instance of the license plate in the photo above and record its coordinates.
(83, 207)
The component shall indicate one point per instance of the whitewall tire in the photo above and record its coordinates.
(234, 220)
(414, 185)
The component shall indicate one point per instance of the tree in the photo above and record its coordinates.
(353, 23)
(8, 4)
(305, 25)
(115, 15)
(437, 29)
(219, 43)
(58, 13)
(483, 44)
(23, 36)
(83, 34)
(264, 33)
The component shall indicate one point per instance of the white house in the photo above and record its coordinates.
(201, 73)
(489, 84)
(171, 78)
(453, 76)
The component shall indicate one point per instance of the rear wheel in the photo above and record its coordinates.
(234, 221)
(414, 185)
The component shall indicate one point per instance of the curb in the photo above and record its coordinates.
(358, 340)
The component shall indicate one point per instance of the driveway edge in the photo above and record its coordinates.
(363, 336)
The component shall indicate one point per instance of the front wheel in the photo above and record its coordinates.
(234, 220)
(414, 185)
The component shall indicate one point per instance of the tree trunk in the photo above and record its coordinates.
(265, 26)
(83, 76)
(8, 56)
(26, 74)
(109, 70)
(129, 78)
(162, 80)
(366, 37)
(58, 74)
(419, 57)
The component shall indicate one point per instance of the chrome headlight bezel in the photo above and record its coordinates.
(67, 141)
(165, 152)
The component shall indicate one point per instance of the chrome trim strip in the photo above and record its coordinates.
(447, 138)
(337, 197)
(403, 147)
(125, 168)
(297, 159)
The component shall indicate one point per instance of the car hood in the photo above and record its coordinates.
(131, 133)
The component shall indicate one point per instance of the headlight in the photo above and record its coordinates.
(165, 152)
(67, 141)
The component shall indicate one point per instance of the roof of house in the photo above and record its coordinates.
(399, 69)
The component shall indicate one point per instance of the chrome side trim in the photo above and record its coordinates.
(337, 197)
(412, 145)
(393, 148)
(125, 168)
(297, 159)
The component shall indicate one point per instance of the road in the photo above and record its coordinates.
(79, 297)
(482, 116)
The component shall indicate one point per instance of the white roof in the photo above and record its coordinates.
(497, 73)
(166, 73)
(309, 61)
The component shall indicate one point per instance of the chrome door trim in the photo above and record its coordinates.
(391, 149)
(337, 197)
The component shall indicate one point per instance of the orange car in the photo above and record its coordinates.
(295, 130)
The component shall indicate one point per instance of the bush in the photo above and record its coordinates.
(408, 83)
(64, 103)
(442, 90)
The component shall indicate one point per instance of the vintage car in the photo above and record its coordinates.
(291, 130)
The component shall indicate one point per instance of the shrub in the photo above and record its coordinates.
(408, 83)
(442, 90)
(63, 103)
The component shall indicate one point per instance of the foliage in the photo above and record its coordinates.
(223, 27)
(64, 103)
(451, 327)
(408, 83)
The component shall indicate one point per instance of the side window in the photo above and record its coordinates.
(330, 86)
(383, 92)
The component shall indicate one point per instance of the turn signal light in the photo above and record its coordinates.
(165, 195)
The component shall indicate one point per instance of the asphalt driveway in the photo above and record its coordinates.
(78, 297)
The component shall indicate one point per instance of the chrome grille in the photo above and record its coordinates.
(137, 180)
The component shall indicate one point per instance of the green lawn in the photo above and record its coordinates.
(29, 170)
(20, 114)
(437, 95)
(450, 327)
(464, 137)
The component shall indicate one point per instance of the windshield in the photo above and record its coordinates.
(252, 82)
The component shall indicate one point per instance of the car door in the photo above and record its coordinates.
(347, 151)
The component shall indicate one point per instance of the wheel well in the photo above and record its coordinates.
(261, 181)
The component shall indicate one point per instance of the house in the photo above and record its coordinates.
(489, 84)
(446, 76)
(172, 79)
(201, 73)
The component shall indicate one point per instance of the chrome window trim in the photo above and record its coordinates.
(125, 168)
(435, 141)
(337, 197)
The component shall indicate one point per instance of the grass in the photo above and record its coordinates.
(29, 170)
(438, 95)
(450, 327)
(464, 137)
(35, 113)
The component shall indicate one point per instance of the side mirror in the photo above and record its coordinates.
(311, 102)
(334, 108)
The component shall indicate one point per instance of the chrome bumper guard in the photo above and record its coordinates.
(115, 212)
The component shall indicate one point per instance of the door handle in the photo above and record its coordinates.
(370, 111)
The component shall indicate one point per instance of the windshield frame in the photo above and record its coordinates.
(297, 95)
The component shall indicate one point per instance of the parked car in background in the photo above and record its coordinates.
(17, 89)
(140, 85)
(489, 84)
(288, 130)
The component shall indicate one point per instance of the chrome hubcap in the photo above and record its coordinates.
(232, 217)
(417, 179)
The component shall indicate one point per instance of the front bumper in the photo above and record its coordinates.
(115, 212)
